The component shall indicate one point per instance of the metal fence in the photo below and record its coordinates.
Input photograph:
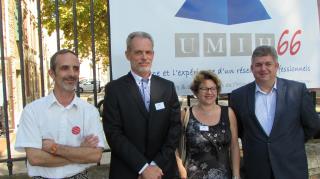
(31, 85)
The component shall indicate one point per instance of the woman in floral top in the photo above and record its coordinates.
(212, 149)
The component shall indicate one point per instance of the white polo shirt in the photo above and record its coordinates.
(46, 118)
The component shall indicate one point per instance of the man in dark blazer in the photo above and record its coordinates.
(141, 119)
(275, 117)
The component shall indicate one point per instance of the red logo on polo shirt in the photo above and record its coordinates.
(76, 130)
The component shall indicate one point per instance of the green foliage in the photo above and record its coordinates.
(83, 26)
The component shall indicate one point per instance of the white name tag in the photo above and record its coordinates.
(159, 106)
(204, 128)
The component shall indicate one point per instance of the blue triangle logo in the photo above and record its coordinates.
(224, 11)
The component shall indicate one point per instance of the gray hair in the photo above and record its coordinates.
(138, 34)
(265, 50)
(53, 59)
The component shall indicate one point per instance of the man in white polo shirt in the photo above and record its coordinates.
(60, 133)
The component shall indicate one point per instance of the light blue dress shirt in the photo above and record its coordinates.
(144, 86)
(265, 106)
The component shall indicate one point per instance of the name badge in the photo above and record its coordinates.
(159, 106)
(204, 128)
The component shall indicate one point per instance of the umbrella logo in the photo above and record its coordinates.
(226, 12)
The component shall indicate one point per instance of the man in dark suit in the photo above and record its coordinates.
(275, 117)
(141, 118)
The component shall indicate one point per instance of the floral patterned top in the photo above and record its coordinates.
(208, 148)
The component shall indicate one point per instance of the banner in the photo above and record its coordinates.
(219, 35)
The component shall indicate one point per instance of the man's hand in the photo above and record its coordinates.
(152, 172)
(90, 141)
(47, 145)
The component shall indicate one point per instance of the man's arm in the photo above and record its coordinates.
(87, 152)
(79, 154)
(172, 140)
(309, 117)
(38, 157)
(113, 127)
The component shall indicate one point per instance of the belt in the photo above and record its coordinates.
(81, 175)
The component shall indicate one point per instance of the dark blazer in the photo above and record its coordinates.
(295, 121)
(136, 136)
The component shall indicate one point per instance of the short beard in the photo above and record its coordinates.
(68, 87)
(144, 69)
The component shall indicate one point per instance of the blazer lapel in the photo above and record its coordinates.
(154, 93)
(136, 95)
(280, 102)
(251, 99)
(251, 104)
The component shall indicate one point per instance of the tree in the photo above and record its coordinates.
(83, 26)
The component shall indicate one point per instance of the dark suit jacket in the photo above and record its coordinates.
(136, 136)
(295, 121)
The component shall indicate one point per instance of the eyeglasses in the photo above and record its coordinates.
(212, 89)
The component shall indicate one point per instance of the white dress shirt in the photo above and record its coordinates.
(46, 118)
